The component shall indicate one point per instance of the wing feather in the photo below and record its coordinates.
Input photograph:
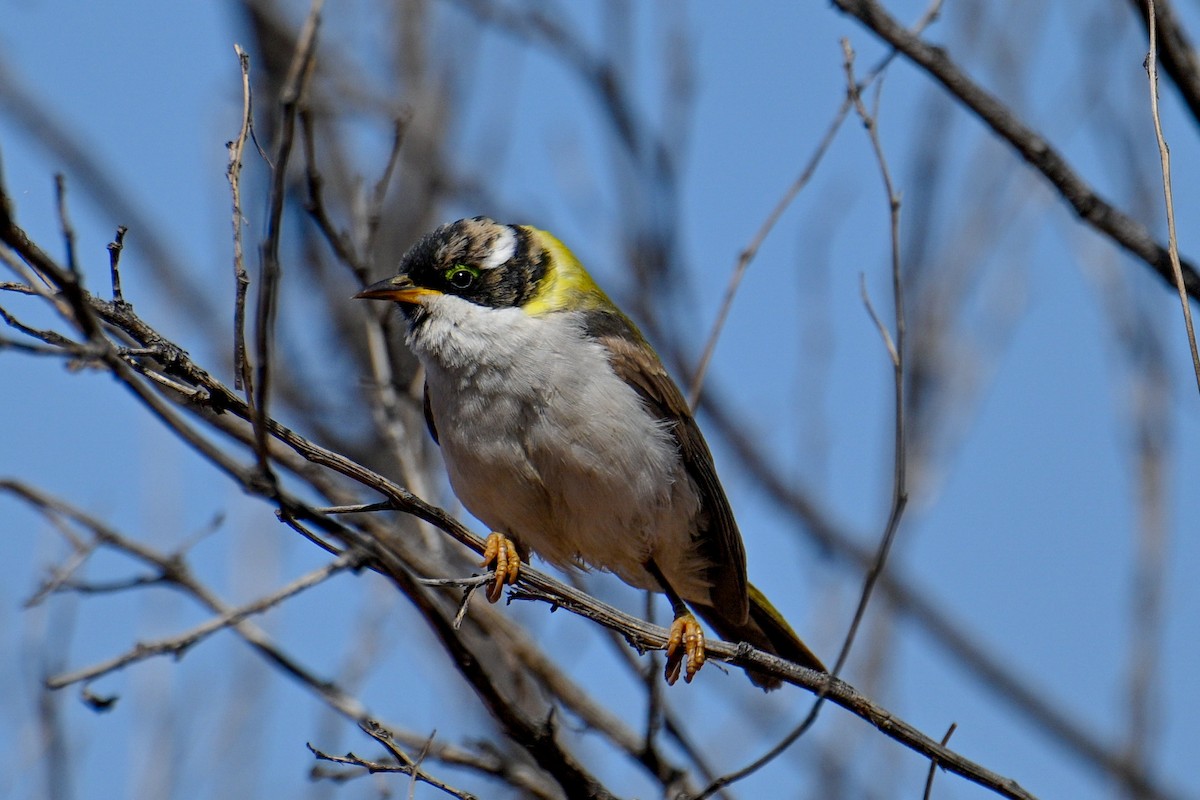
(718, 538)
(428, 409)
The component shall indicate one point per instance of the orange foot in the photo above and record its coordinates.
(501, 551)
(686, 642)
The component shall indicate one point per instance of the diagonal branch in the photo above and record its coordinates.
(1087, 204)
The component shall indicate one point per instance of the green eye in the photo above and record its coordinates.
(461, 277)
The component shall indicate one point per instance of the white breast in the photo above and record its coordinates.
(543, 442)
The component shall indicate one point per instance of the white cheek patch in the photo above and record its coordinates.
(503, 248)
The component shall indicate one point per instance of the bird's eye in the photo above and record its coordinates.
(461, 277)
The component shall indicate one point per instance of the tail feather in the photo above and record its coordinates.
(765, 629)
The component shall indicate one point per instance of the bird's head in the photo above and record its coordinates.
(491, 265)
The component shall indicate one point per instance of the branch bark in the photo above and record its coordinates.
(1087, 204)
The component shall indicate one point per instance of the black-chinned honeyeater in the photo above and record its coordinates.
(564, 434)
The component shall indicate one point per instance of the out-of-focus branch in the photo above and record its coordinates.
(295, 85)
(170, 569)
(174, 572)
(1019, 692)
(1175, 49)
(1164, 155)
(1087, 204)
(1143, 389)
(176, 645)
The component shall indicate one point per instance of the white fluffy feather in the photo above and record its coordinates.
(545, 443)
(502, 249)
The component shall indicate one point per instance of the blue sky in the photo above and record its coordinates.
(1024, 535)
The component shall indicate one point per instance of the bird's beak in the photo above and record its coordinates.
(400, 288)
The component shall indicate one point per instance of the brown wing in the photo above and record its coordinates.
(428, 409)
(719, 539)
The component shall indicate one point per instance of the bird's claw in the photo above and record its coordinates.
(685, 642)
(500, 553)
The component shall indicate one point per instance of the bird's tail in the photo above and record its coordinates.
(765, 629)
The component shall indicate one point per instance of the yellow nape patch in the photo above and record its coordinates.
(567, 286)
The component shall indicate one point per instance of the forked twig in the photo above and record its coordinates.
(751, 250)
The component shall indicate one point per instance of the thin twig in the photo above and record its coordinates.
(180, 576)
(412, 784)
(379, 193)
(1176, 52)
(64, 222)
(357, 508)
(933, 762)
(26, 347)
(381, 735)
(52, 338)
(343, 246)
(177, 645)
(1164, 155)
(896, 353)
(242, 379)
(654, 700)
(899, 483)
(294, 88)
(373, 767)
(483, 761)
(751, 250)
(114, 261)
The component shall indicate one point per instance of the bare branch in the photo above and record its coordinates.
(64, 222)
(1164, 155)
(1094, 210)
(403, 763)
(933, 762)
(341, 244)
(114, 260)
(751, 250)
(241, 367)
(294, 87)
(1176, 51)
(178, 645)
(896, 352)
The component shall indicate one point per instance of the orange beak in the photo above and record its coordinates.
(399, 289)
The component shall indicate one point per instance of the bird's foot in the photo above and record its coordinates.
(500, 552)
(685, 643)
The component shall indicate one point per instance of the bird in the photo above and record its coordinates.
(562, 431)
